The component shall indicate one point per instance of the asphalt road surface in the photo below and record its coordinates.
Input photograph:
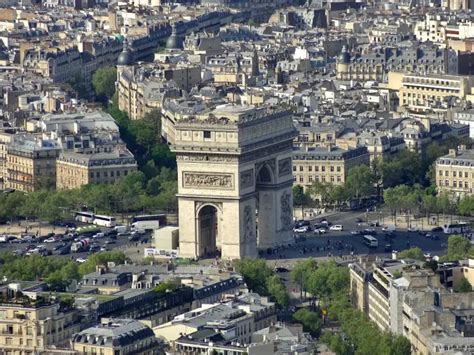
(343, 243)
(121, 243)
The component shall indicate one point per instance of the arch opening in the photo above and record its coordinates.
(208, 231)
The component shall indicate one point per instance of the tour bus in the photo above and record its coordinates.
(147, 222)
(370, 241)
(84, 216)
(104, 221)
(455, 228)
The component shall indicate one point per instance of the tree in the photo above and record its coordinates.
(302, 271)
(310, 320)
(277, 291)
(255, 273)
(103, 81)
(360, 182)
(166, 286)
(466, 206)
(412, 253)
(328, 280)
(300, 198)
(458, 248)
(463, 285)
(103, 258)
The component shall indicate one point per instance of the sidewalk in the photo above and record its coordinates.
(29, 227)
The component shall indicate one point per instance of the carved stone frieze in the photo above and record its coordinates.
(246, 179)
(286, 211)
(204, 158)
(208, 180)
(284, 167)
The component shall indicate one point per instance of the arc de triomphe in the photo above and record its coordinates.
(234, 181)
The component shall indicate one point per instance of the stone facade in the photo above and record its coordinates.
(74, 170)
(232, 163)
(326, 165)
(455, 173)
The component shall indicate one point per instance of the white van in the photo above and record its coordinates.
(120, 229)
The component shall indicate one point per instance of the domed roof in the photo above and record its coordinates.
(174, 41)
(344, 57)
(126, 57)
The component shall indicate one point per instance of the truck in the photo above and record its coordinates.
(389, 229)
(142, 226)
(81, 245)
(120, 229)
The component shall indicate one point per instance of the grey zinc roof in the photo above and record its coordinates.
(118, 332)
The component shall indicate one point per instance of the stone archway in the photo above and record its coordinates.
(208, 231)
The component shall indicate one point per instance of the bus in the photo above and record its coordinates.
(456, 228)
(84, 216)
(151, 221)
(104, 221)
(370, 241)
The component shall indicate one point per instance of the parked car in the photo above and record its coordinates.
(50, 240)
(280, 269)
(98, 235)
(356, 232)
(413, 229)
(437, 229)
(388, 248)
(337, 227)
(81, 260)
(370, 231)
(109, 241)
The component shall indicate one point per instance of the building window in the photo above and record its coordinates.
(294, 168)
(331, 168)
(338, 169)
(207, 134)
(323, 168)
(455, 184)
(454, 174)
(301, 167)
(301, 178)
(310, 168)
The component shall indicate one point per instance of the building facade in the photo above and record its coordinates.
(74, 170)
(326, 165)
(31, 163)
(455, 172)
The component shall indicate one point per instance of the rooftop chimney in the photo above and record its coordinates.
(453, 152)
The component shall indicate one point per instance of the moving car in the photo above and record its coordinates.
(337, 227)
(356, 232)
(81, 260)
(303, 229)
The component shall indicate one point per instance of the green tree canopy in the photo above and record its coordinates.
(255, 273)
(103, 258)
(360, 182)
(412, 253)
(103, 81)
(277, 291)
(310, 320)
(459, 248)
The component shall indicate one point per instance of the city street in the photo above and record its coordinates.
(341, 243)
